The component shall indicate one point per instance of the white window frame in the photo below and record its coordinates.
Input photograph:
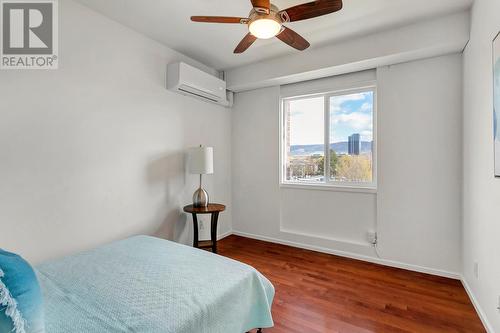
(329, 184)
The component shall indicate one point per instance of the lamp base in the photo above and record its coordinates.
(200, 198)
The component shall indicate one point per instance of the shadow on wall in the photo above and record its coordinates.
(167, 174)
(174, 227)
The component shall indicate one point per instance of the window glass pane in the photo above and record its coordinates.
(351, 137)
(305, 137)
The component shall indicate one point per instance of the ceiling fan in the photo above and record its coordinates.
(266, 21)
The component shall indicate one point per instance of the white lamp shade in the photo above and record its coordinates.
(201, 160)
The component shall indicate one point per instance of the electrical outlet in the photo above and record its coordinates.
(476, 269)
(371, 236)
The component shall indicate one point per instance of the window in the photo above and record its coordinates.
(329, 139)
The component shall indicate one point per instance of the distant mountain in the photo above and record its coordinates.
(338, 147)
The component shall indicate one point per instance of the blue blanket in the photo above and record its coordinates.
(146, 284)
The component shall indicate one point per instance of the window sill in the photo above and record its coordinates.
(333, 188)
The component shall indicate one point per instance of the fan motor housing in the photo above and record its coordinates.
(258, 15)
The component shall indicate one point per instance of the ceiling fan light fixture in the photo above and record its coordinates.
(265, 28)
(266, 20)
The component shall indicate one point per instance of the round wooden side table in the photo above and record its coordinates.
(212, 209)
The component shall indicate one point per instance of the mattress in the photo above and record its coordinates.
(146, 284)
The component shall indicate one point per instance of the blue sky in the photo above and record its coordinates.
(349, 114)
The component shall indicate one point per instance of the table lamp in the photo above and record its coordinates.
(201, 162)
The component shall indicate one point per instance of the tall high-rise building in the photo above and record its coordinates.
(289, 170)
(354, 144)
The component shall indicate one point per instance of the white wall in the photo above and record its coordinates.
(94, 151)
(421, 230)
(420, 154)
(481, 199)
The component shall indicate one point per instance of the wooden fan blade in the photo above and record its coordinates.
(293, 39)
(262, 6)
(310, 10)
(219, 19)
(245, 43)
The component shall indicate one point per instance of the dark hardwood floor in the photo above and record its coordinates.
(317, 292)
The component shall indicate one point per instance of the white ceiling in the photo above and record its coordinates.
(167, 21)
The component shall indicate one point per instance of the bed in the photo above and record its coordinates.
(147, 284)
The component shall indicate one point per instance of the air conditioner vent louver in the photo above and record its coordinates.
(199, 93)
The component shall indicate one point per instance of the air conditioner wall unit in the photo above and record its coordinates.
(191, 81)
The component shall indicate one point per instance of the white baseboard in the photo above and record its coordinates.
(224, 235)
(391, 263)
(478, 307)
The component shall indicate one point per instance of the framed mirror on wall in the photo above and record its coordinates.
(496, 102)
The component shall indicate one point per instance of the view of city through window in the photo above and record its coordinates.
(350, 139)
